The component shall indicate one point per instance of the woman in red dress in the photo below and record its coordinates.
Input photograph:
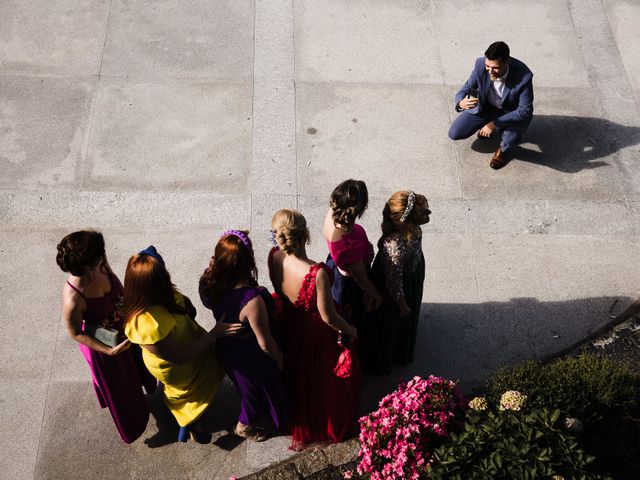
(321, 375)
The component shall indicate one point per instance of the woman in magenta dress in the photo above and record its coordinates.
(322, 378)
(253, 360)
(92, 295)
(350, 257)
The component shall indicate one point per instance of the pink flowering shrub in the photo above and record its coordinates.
(397, 440)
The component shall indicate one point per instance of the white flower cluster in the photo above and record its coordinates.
(479, 404)
(512, 400)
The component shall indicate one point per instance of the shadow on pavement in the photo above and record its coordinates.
(569, 144)
(466, 342)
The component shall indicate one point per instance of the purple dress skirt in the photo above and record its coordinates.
(118, 380)
(252, 371)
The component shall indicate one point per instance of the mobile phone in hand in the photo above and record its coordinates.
(473, 92)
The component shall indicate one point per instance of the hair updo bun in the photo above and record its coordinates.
(291, 230)
(348, 201)
(80, 250)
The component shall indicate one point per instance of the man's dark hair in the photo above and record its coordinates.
(498, 51)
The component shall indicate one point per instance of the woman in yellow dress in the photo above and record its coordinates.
(175, 348)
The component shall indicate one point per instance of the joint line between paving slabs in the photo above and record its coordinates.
(46, 394)
(106, 34)
(295, 102)
(444, 93)
(253, 117)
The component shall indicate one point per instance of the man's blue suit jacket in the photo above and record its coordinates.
(517, 98)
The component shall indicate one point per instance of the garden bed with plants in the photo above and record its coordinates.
(574, 417)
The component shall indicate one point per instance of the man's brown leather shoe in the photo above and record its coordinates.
(499, 159)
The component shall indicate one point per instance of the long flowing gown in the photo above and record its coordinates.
(324, 404)
(252, 371)
(398, 271)
(117, 380)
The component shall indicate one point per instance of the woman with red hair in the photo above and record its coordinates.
(175, 349)
(252, 360)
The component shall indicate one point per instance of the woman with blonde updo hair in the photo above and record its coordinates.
(399, 272)
(350, 256)
(322, 377)
(92, 302)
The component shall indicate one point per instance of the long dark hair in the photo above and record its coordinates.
(146, 283)
(232, 263)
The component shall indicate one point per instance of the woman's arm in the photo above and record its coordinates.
(169, 350)
(359, 272)
(73, 306)
(255, 311)
(327, 307)
(393, 268)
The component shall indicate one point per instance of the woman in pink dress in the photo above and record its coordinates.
(350, 257)
(322, 378)
(92, 296)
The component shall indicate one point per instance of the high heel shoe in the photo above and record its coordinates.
(250, 432)
(198, 437)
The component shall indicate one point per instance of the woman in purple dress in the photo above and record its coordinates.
(252, 360)
(92, 297)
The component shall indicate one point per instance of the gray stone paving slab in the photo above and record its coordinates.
(45, 124)
(160, 136)
(391, 136)
(362, 40)
(91, 444)
(62, 37)
(22, 401)
(109, 210)
(623, 16)
(539, 33)
(273, 169)
(173, 39)
(30, 305)
(274, 46)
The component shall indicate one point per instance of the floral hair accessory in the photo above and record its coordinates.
(241, 235)
(411, 201)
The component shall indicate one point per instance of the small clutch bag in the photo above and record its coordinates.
(108, 336)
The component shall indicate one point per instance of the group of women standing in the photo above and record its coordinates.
(295, 356)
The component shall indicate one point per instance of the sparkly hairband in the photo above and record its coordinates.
(411, 201)
(241, 235)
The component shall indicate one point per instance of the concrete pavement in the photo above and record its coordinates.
(169, 122)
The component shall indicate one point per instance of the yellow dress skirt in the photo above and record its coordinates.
(188, 388)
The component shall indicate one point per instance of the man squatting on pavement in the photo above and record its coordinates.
(497, 97)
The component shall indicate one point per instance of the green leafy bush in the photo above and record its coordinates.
(588, 387)
(507, 445)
